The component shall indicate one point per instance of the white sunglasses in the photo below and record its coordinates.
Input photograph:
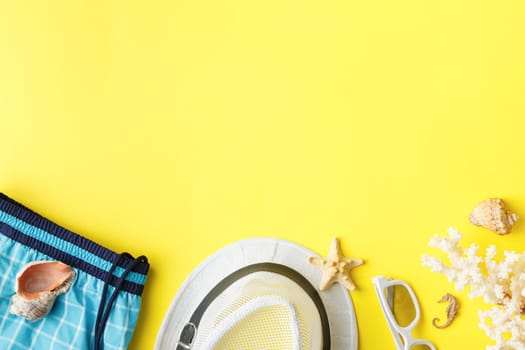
(402, 312)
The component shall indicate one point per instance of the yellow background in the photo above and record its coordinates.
(173, 128)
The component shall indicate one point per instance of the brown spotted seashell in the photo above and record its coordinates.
(492, 214)
(37, 286)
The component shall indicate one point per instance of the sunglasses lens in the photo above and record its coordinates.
(420, 347)
(402, 306)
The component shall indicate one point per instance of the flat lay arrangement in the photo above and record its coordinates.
(259, 293)
(236, 174)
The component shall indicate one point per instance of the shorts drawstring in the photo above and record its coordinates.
(103, 310)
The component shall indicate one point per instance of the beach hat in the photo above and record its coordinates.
(258, 293)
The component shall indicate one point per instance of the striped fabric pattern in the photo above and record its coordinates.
(25, 237)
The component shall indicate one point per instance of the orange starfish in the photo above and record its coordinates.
(335, 267)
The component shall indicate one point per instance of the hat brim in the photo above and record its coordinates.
(336, 300)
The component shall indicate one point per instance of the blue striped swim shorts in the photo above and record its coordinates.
(101, 307)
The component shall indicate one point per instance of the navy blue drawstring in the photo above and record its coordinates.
(103, 309)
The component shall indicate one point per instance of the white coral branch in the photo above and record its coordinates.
(500, 283)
